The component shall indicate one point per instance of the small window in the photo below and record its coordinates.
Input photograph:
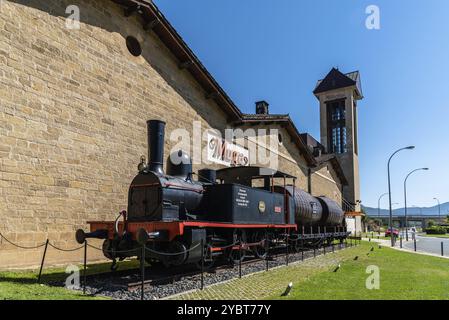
(133, 46)
(280, 138)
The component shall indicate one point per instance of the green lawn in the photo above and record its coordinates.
(402, 276)
(24, 286)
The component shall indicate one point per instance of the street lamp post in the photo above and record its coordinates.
(439, 209)
(378, 209)
(405, 199)
(378, 203)
(389, 188)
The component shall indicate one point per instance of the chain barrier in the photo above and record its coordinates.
(143, 249)
(21, 247)
(38, 246)
(172, 254)
(65, 250)
(112, 251)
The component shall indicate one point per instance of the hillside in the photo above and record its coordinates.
(373, 212)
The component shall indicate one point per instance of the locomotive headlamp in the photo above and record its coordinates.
(142, 165)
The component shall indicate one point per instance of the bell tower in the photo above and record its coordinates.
(338, 94)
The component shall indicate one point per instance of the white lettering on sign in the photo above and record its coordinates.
(242, 198)
(221, 151)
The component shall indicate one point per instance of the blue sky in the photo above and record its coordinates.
(276, 50)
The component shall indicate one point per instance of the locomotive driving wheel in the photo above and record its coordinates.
(239, 238)
(208, 261)
(176, 254)
(260, 251)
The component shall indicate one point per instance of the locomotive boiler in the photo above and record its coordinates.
(181, 220)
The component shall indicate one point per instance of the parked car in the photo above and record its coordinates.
(395, 232)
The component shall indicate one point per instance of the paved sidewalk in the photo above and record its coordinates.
(265, 284)
(387, 243)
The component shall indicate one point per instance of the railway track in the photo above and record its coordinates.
(162, 282)
(194, 274)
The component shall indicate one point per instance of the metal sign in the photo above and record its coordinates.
(221, 151)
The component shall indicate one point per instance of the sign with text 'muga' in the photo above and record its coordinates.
(221, 151)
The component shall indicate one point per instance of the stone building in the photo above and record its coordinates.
(73, 107)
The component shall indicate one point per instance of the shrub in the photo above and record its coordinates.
(436, 230)
(430, 223)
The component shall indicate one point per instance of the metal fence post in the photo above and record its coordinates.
(202, 264)
(240, 260)
(414, 242)
(142, 269)
(400, 241)
(302, 249)
(42, 262)
(287, 249)
(266, 252)
(442, 249)
(85, 267)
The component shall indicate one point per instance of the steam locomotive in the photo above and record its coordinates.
(220, 215)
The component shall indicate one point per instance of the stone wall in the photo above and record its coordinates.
(73, 111)
(325, 182)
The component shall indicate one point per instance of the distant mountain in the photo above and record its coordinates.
(373, 212)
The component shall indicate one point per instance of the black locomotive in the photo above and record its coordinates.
(219, 215)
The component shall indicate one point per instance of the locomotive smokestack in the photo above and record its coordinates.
(156, 132)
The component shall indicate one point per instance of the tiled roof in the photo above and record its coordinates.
(336, 79)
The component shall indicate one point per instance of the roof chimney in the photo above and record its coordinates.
(262, 107)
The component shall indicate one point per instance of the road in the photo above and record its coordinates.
(429, 245)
